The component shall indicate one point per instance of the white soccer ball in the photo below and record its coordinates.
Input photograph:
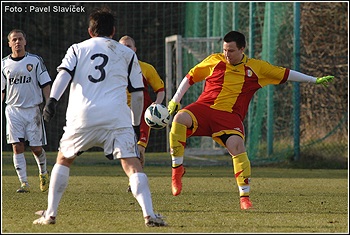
(157, 116)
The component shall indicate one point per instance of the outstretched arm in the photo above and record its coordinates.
(300, 77)
(174, 103)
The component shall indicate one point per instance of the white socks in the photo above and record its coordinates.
(140, 190)
(41, 161)
(20, 165)
(58, 184)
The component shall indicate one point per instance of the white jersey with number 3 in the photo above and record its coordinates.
(101, 70)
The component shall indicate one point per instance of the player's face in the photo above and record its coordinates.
(232, 54)
(128, 43)
(17, 42)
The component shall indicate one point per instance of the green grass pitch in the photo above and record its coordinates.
(96, 201)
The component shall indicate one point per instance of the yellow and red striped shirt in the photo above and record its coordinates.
(150, 78)
(231, 87)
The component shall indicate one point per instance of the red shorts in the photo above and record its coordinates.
(212, 122)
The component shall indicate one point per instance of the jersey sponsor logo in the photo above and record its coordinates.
(20, 80)
(29, 67)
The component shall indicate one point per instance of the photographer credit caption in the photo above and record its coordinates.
(45, 9)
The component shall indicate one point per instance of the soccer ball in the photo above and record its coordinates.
(157, 116)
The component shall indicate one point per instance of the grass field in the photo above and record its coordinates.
(285, 200)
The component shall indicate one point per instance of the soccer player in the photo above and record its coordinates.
(150, 79)
(99, 70)
(25, 81)
(231, 79)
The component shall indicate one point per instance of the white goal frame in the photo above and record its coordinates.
(176, 44)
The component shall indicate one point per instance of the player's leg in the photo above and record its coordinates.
(241, 168)
(20, 165)
(129, 158)
(177, 142)
(59, 182)
(40, 158)
(71, 145)
(142, 150)
(37, 138)
(15, 133)
(142, 143)
(141, 191)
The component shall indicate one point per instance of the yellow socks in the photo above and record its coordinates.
(177, 138)
(241, 168)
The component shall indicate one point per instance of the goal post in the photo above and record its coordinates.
(181, 54)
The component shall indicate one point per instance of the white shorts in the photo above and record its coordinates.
(25, 124)
(117, 143)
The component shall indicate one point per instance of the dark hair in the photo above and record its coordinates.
(235, 36)
(16, 31)
(101, 22)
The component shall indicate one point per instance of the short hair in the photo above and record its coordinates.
(126, 37)
(16, 31)
(101, 22)
(235, 36)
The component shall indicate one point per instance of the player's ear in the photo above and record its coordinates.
(113, 32)
(90, 32)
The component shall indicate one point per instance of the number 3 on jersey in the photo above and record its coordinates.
(99, 67)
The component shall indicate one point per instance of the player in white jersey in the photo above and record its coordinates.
(99, 71)
(24, 80)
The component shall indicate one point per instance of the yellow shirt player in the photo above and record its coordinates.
(151, 79)
(231, 79)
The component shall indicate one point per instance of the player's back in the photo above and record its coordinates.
(97, 92)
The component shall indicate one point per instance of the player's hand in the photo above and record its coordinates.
(173, 107)
(137, 131)
(142, 154)
(49, 109)
(324, 80)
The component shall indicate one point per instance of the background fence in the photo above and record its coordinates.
(323, 50)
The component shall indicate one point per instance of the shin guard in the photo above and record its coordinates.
(177, 138)
(242, 169)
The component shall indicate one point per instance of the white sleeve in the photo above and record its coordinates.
(70, 59)
(60, 84)
(295, 76)
(135, 75)
(181, 90)
(136, 107)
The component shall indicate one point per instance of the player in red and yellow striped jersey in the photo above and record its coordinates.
(231, 79)
(151, 79)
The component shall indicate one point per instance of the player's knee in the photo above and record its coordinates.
(235, 144)
(36, 150)
(183, 118)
